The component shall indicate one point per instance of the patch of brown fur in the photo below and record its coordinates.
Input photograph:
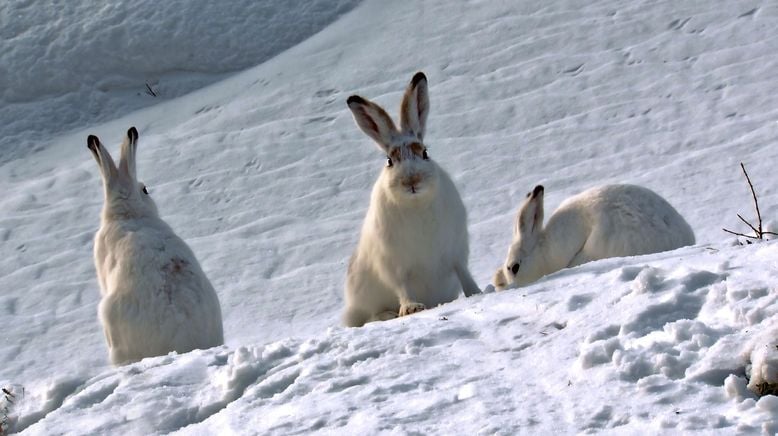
(412, 180)
(175, 267)
(417, 149)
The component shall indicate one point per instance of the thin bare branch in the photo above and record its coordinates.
(753, 194)
(740, 234)
(748, 224)
(758, 230)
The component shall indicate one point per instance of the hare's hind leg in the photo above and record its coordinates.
(355, 317)
(384, 316)
(358, 318)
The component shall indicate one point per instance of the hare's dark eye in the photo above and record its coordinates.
(145, 190)
(424, 155)
(389, 162)
(515, 268)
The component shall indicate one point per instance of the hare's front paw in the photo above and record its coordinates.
(411, 307)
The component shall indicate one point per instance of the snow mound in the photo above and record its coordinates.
(66, 64)
(497, 363)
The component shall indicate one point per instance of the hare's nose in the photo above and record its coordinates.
(412, 180)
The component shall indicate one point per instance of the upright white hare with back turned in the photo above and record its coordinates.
(413, 249)
(607, 221)
(155, 297)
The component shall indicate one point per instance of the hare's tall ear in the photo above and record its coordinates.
(373, 120)
(530, 218)
(127, 158)
(103, 158)
(415, 107)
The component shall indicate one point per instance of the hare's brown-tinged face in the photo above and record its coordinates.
(124, 195)
(409, 171)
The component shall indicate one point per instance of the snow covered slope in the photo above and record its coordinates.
(267, 178)
(69, 64)
(540, 360)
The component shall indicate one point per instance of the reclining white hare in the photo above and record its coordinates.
(155, 297)
(606, 221)
(413, 249)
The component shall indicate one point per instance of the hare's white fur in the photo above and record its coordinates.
(155, 297)
(413, 249)
(602, 222)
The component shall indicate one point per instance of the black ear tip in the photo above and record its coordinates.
(132, 133)
(92, 141)
(355, 99)
(537, 191)
(418, 77)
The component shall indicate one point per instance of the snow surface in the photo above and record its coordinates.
(266, 176)
(68, 64)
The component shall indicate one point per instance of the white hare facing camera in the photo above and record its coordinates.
(155, 297)
(602, 222)
(413, 248)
